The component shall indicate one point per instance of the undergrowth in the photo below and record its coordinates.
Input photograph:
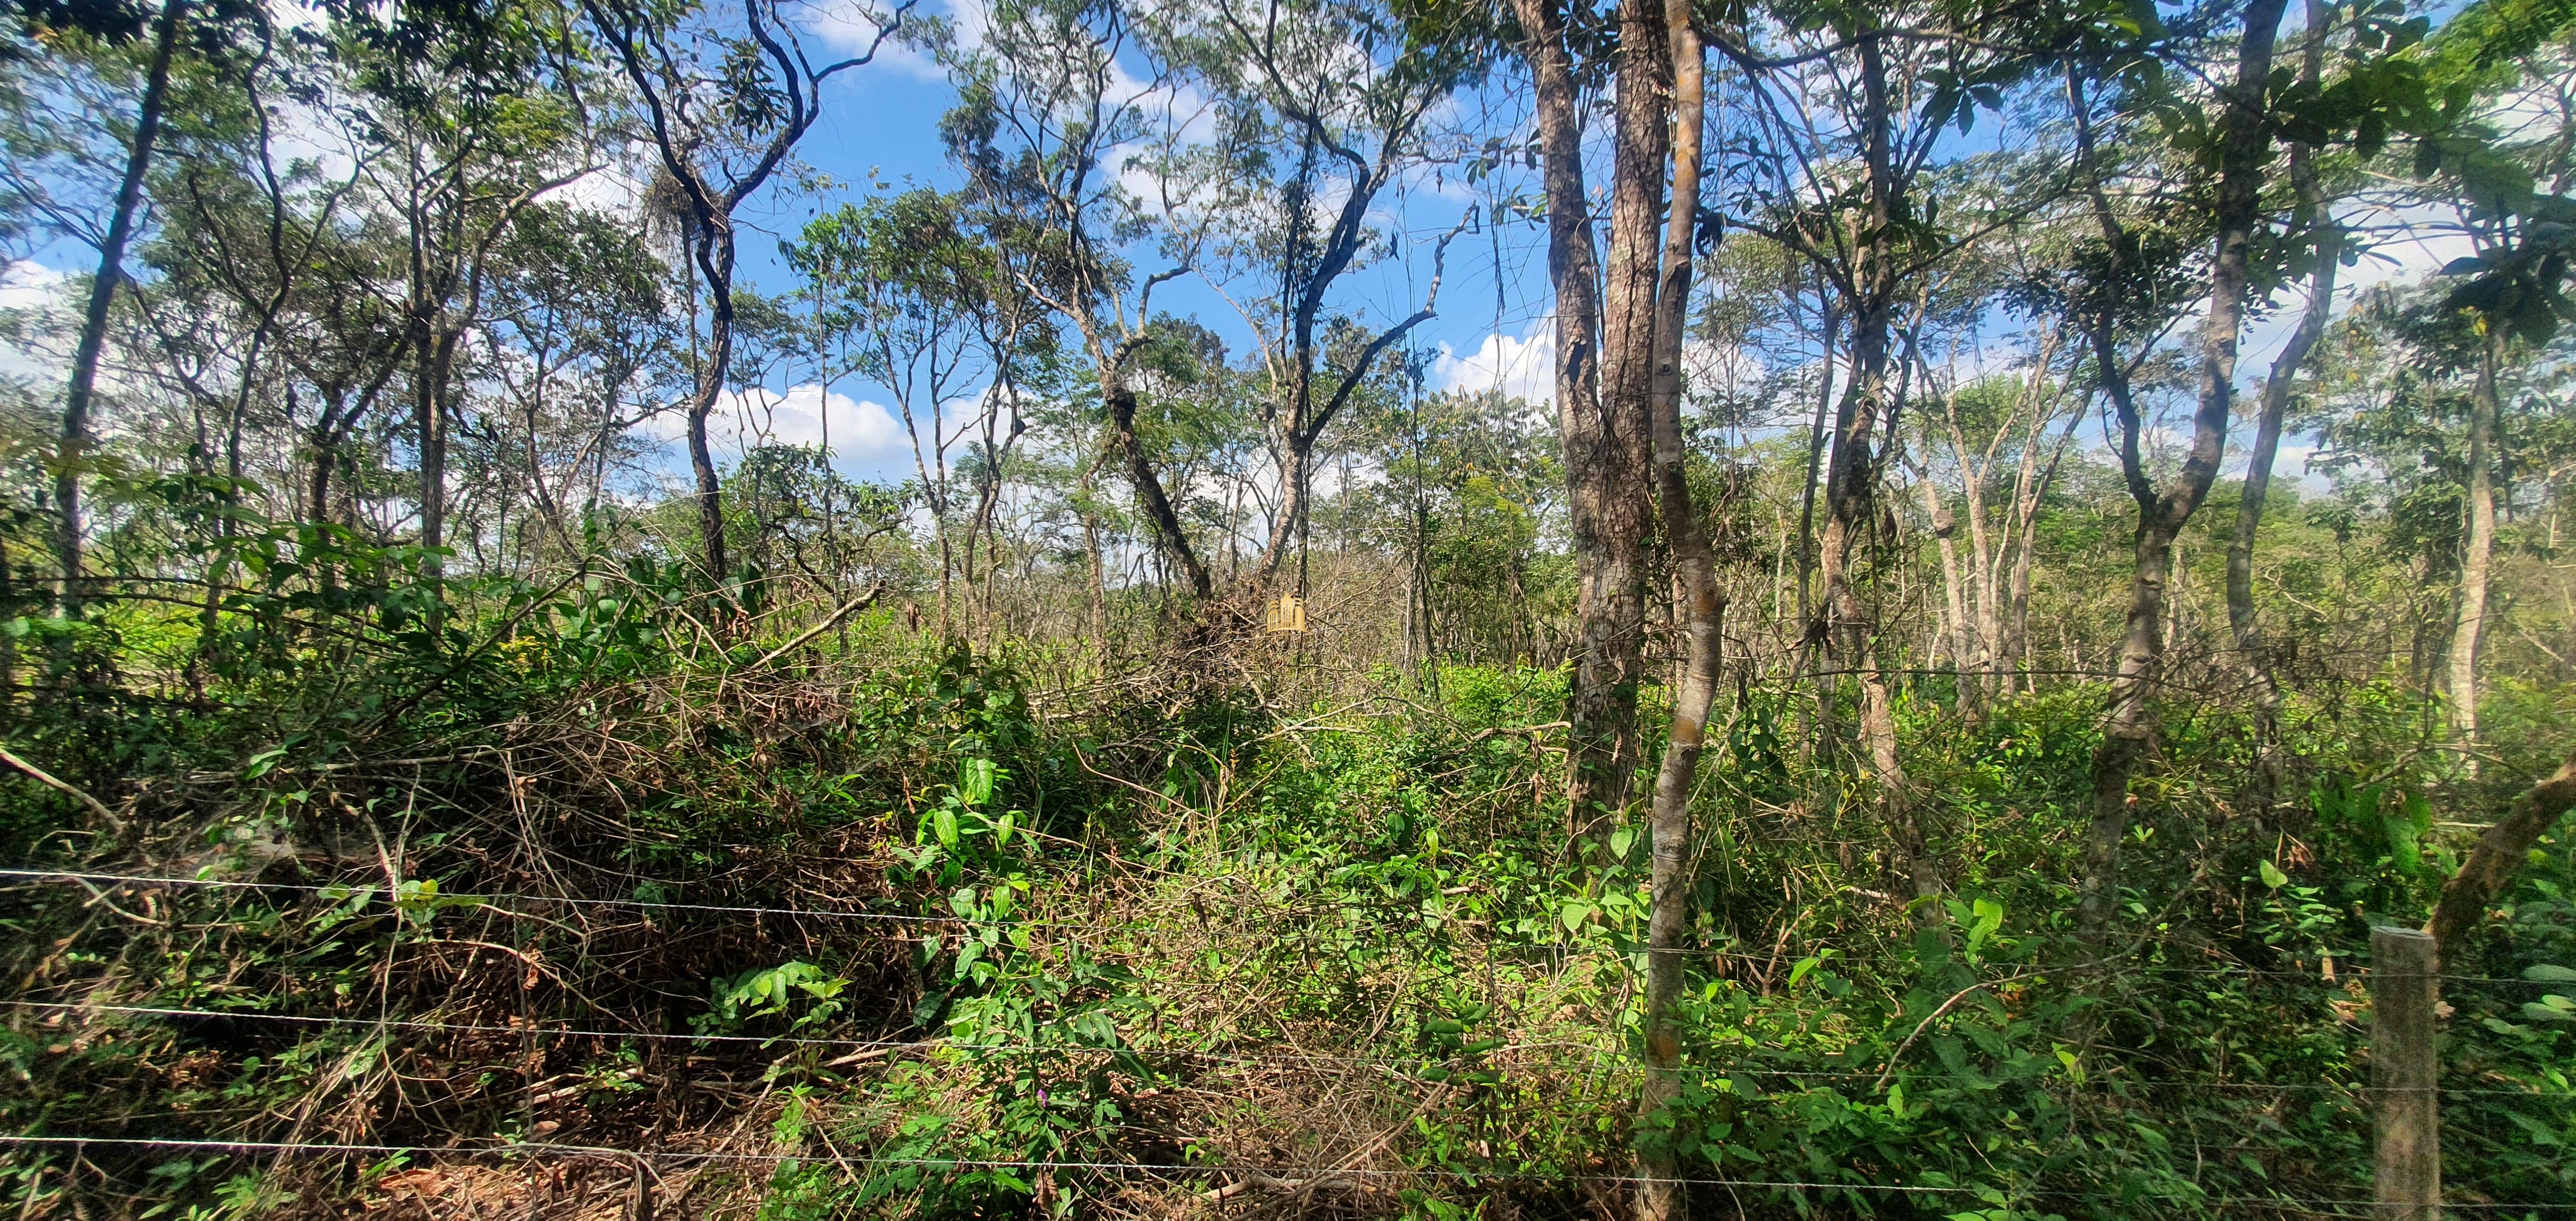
(514, 879)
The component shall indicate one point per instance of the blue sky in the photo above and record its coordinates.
(881, 126)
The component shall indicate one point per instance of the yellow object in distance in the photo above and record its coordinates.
(1288, 616)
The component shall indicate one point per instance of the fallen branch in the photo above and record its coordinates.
(1255, 1178)
(115, 825)
(579, 1088)
(852, 607)
(2499, 854)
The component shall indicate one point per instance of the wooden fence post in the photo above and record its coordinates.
(2404, 1074)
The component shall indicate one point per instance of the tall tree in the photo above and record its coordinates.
(1046, 103)
(2242, 136)
(1703, 606)
(1606, 499)
(724, 108)
(71, 460)
(2313, 216)
(1345, 90)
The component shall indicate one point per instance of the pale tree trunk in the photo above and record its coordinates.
(1955, 634)
(2026, 539)
(71, 456)
(2129, 731)
(2241, 617)
(1098, 569)
(2030, 487)
(1605, 504)
(2477, 551)
(1703, 607)
(1975, 476)
(1977, 618)
(1851, 482)
(2502, 850)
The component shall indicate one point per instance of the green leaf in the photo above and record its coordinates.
(2272, 875)
(2545, 973)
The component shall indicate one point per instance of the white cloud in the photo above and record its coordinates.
(850, 27)
(1519, 365)
(26, 284)
(861, 434)
(32, 286)
(616, 189)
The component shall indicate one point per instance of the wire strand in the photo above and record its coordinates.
(1290, 1175)
(1403, 1063)
(500, 902)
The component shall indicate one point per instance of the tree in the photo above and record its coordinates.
(1045, 105)
(2312, 214)
(71, 461)
(460, 126)
(2242, 136)
(1335, 98)
(1604, 440)
(1703, 603)
(724, 107)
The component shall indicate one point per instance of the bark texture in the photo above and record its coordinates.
(2500, 853)
(2477, 546)
(71, 456)
(1605, 498)
(1703, 604)
(2129, 731)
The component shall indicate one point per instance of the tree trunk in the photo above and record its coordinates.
(1826, 328)
(1629, 352)
(715, 263)
(1097, 568)
(1985, 635)
(2477, 552)
(1810, 626)
(71, 457)
(2129, 731)
(1982, 615)
(2029, 488)
(1955, 633)
(1605, 503)
(2501, 851)
(1851, 480)
(1149, 486)
(2241, 618)
(434, 351)
(1295, 471)
(2128, 734)
(1703, 607)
